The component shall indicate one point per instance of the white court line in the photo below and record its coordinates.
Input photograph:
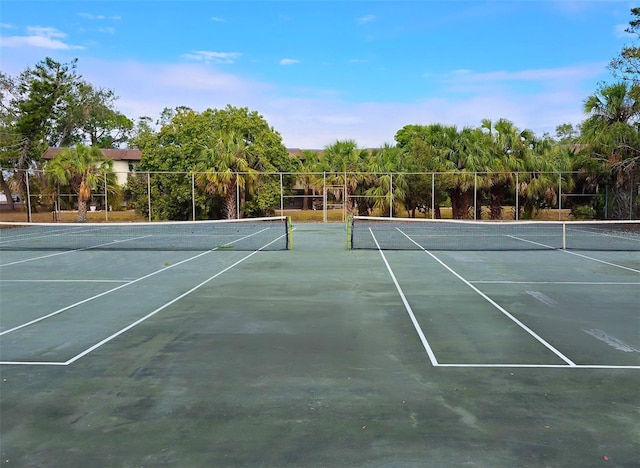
(33, 363)
(602, 261)
(495, 304)
(579, 255)
(40, 235)
(62, 281)
(586, 283)
(423, 339)
(538, 366)
(72, 251)
(151, 314)
(59, 311)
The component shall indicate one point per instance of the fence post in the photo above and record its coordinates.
(281, 197)
(149, 193)
(560, 196)
(344, 198)
(59, 206)
(517, 207)
(391, 201)
(106, 199)
(433, 195)
(237, 197)
(324, 196)
(193, 196)
(475, 196)
(26, 173)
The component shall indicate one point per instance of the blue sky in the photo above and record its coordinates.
(319, 71)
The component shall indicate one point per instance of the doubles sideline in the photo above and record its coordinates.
(432, 357)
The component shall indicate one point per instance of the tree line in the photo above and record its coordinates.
(50, 104)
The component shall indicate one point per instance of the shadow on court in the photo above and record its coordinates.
(309, 358)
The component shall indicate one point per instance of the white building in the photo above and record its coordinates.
(124, 160)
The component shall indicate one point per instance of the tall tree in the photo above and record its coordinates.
(189, 141)
(509, 148)
(345, 164)
(90, 117)
(223, 170)
(308, 177)
(82, 168)
(626, 66)
(38, 98)
(611, 133)
(421, 157)
(387, 182)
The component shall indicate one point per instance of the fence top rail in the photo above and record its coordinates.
(340, 173)
(426, 221)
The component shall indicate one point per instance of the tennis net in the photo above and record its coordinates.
(270, 233)
(436, 234)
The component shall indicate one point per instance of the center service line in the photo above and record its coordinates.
(425, 343)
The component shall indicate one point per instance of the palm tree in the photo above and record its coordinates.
(611, 133)
(421, 155)
(344, 163)
(82, 168)
(387, 181)
(508, 149)
(224, 169)
(461, 154)
(308, 177)
(542, 182)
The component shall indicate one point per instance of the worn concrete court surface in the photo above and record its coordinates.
(309, 358)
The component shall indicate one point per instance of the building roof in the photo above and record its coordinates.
(128, 154)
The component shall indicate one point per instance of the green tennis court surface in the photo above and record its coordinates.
(319, 356)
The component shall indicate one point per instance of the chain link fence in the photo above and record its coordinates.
(332, 196)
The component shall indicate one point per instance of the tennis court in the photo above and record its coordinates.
(292, 350)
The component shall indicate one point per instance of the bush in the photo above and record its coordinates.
(583, 212)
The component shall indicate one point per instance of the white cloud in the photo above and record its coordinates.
(217, 20)
(477, 82)
(288, 61)
(206, 56)
(320, 117)
(39, 37)
(90, 16)
(365, 19)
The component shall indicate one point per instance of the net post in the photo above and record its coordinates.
(349, 230)
(564, 236)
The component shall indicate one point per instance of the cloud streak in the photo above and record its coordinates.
(289, 61)
(316, 118)
(207, 56)
(39, 37)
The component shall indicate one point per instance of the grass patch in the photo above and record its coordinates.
(128, 216)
